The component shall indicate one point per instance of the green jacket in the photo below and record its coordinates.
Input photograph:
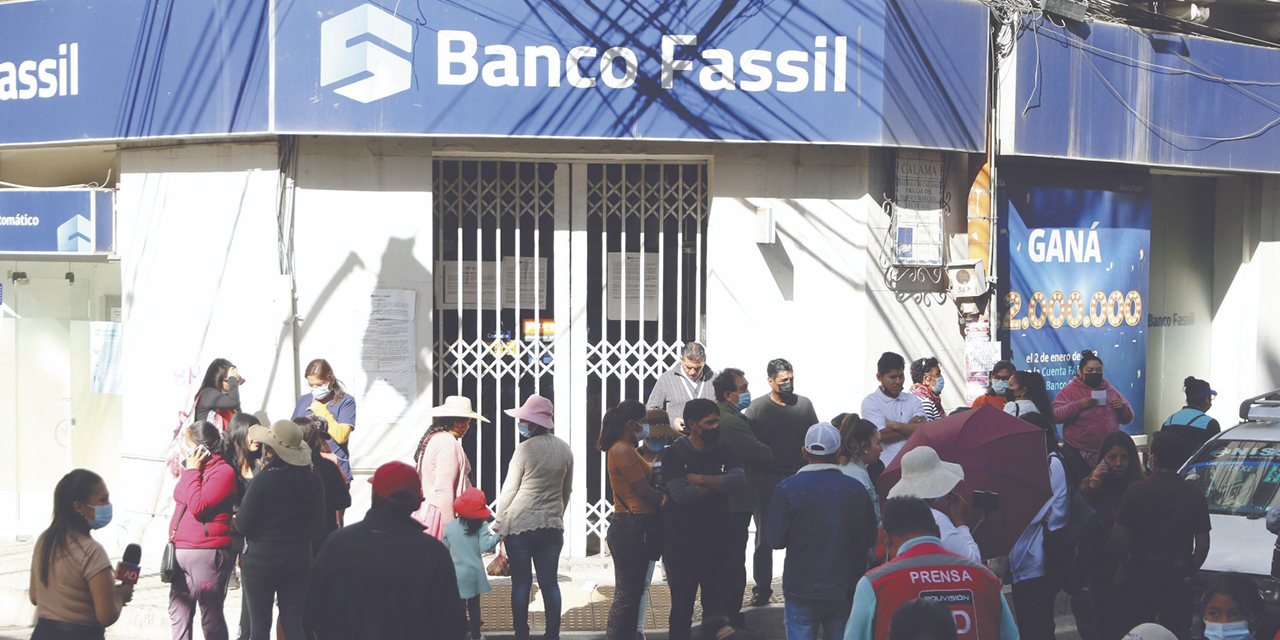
(735, 430)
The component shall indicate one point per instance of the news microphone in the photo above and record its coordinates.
(130, 566)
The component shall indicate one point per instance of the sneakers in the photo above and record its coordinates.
(760, 599)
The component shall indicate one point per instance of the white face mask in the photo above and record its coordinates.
(319, 392)
(1227, 630)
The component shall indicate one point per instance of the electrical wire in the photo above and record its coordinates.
(87, 185)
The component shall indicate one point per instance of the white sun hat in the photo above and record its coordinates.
(925, 475)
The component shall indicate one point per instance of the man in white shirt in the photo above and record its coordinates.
(895, 413)
(925, 475)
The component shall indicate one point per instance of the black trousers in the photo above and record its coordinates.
(279, 574)
(762, 560)
(736, 544)
(1033, 607)
(694, 567)
(57, 630)
(474, 622)
(630, 566)
(1158, 593)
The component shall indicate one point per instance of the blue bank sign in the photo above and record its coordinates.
(62, 221)
(878, 72)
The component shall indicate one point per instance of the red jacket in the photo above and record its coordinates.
(1086, 429)
(926, 570)
(210, 497)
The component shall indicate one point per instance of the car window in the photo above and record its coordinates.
(1239, 477)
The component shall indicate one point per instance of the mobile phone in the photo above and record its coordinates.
(203, 450)
(986, 501)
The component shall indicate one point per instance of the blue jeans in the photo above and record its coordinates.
(540, 547)
(804, 617)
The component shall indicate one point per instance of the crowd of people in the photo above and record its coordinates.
(262, 507)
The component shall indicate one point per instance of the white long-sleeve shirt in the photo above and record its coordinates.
(957, 540)
(1027, 557)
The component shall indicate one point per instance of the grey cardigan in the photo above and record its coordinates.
(537, 488)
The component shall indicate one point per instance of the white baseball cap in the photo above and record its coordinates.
(822, 439)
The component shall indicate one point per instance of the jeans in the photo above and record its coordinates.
(644, 598)
(694, 566)
(805, 616)
(205, 573)
(280, 573)
(762, 560)
(1033, 607)
(736, 543)
(540, 547)
(630, 562)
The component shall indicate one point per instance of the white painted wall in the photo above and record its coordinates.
(201, 279)
(819, 296)
(364, 222)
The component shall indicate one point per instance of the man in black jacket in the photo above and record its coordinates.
(383, 577)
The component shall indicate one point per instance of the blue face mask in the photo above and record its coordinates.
(656, 445)
(101, 516)
(319, 392)
(744, 400)
(939, 384)
(525, 430)
(1000, 386)
(644, 431)
(1227, 630)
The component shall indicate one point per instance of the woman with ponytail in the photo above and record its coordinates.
(1191, 422)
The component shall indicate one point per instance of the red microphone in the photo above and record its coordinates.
(130, 566)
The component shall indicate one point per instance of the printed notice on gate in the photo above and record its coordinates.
(389, 338)
(625, 282)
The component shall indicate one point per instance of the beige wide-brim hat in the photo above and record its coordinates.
(925, 475)
(457, 407)
(285, 438)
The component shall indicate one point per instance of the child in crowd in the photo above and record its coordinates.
(467, 537)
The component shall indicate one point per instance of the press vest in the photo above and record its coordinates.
(928, 571)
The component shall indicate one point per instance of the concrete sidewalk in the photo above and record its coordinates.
(586, 586)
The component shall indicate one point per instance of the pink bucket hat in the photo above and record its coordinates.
(536, 410)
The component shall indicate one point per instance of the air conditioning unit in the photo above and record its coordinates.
(966, 279)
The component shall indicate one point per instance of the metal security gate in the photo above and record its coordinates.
(576, 281)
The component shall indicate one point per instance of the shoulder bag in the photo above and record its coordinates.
(169, 569)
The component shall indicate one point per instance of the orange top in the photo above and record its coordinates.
(625, 467)
(988, 399)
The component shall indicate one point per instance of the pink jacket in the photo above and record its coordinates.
(210, 497)
(1085, 429)
(446, 473)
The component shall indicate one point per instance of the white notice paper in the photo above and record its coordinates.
(104, 357)
(485, 275)
(635, 294)
(1100, 396)
(389, 342)
(392, 304)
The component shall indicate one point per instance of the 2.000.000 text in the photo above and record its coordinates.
(1057, 309)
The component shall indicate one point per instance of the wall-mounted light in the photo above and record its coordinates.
(20, 277)
(71, 277)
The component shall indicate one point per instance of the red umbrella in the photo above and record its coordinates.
(999, 453)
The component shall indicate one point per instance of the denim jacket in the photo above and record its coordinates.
(826, 522)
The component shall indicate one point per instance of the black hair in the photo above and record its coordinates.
(726, 382)
(1193, 387)
(776, 366)
(76, 486)
(699, 408)
(613, 425)
(1088, 356)
(922, 366)
(1045, 424)
(1169, 449)
(472, 525)
(920, 619)
(204, 433)
(314, 430)
(1003, 365)
(890, 361)
(404, 508)
(215, 375)
(906, 515)
(1037, 393)
(693, 351)
(1243, 590)
(235, 446)
(442, 423)
(1122, 439)
(854, 433)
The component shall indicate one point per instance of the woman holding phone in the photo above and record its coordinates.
(204, 500)
(328, 400)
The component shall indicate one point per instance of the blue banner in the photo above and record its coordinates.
(61, 221)
(73, 71)
(1076, 247)
(847, 71)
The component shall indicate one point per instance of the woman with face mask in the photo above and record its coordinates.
(531, 512)
(1028, 395)
(1233, 610)
(997, 386)
(1097, 607)
(204, 501)
(72, 585)
(926, 374)
(1089, 408)
(635, 513)
(328, 400)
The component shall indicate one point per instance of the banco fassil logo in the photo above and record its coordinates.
(367, 48)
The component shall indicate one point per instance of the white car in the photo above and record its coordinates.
(1239, 472)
